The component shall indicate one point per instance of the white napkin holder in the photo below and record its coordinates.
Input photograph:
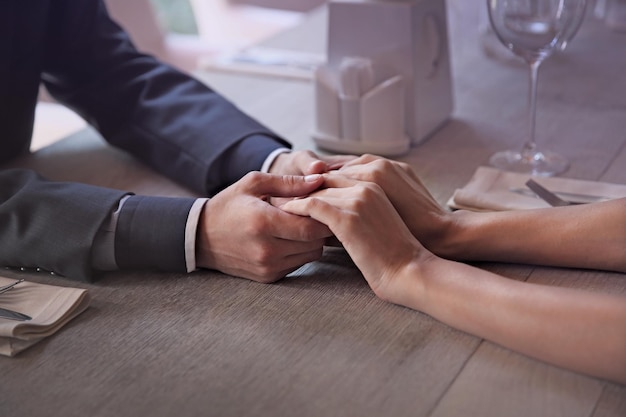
(406, 43)
(370, 120)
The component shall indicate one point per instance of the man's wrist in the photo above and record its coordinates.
(103, 252)
(272, 157)
(191, 231)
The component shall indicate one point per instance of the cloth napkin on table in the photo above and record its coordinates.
(51, 307)
(490, 189)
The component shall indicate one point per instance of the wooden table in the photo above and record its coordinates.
(319, 343)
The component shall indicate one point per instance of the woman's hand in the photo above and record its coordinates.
(425, 218)
(366, 223)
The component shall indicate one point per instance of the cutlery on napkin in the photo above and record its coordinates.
(10, 314)
(491, 189)
(49, 307)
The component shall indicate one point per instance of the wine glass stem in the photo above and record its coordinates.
(530, 146)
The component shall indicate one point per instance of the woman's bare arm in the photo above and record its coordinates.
(584, 236)
(575, 329)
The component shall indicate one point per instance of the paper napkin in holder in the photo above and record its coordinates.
(356, 115)
(491, 189)
(49, 306)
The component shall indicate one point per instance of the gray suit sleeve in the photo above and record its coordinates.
(150, 233)
(51, 225)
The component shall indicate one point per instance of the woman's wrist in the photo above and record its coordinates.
(448, 234)
(410, 282)
(479, 236)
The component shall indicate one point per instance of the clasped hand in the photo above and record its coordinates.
(244, 233)
(376, 207)
(240, 233)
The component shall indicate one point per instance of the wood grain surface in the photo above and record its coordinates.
(319, 343)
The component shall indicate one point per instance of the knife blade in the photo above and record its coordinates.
(571, 197)
(13, 315)
(8, 287)
(547, 195)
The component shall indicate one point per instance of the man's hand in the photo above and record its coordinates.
(307, 163)
(241, 234)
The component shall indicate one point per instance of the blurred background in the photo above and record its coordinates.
(180, 33)
(176, 16)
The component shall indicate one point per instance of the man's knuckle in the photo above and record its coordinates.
(264, 256)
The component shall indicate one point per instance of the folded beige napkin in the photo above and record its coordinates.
(50, 308)
(491, 189)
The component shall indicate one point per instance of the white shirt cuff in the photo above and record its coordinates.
(191, 229)
(271, 157)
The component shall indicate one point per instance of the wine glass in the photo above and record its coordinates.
(533, 30)
(577, 20)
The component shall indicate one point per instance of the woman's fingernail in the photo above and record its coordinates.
(312, 178)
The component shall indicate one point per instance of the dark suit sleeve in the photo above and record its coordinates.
(52, 226)
(172, 122)
(151, 233)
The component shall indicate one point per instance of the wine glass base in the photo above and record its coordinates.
(544, 164)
